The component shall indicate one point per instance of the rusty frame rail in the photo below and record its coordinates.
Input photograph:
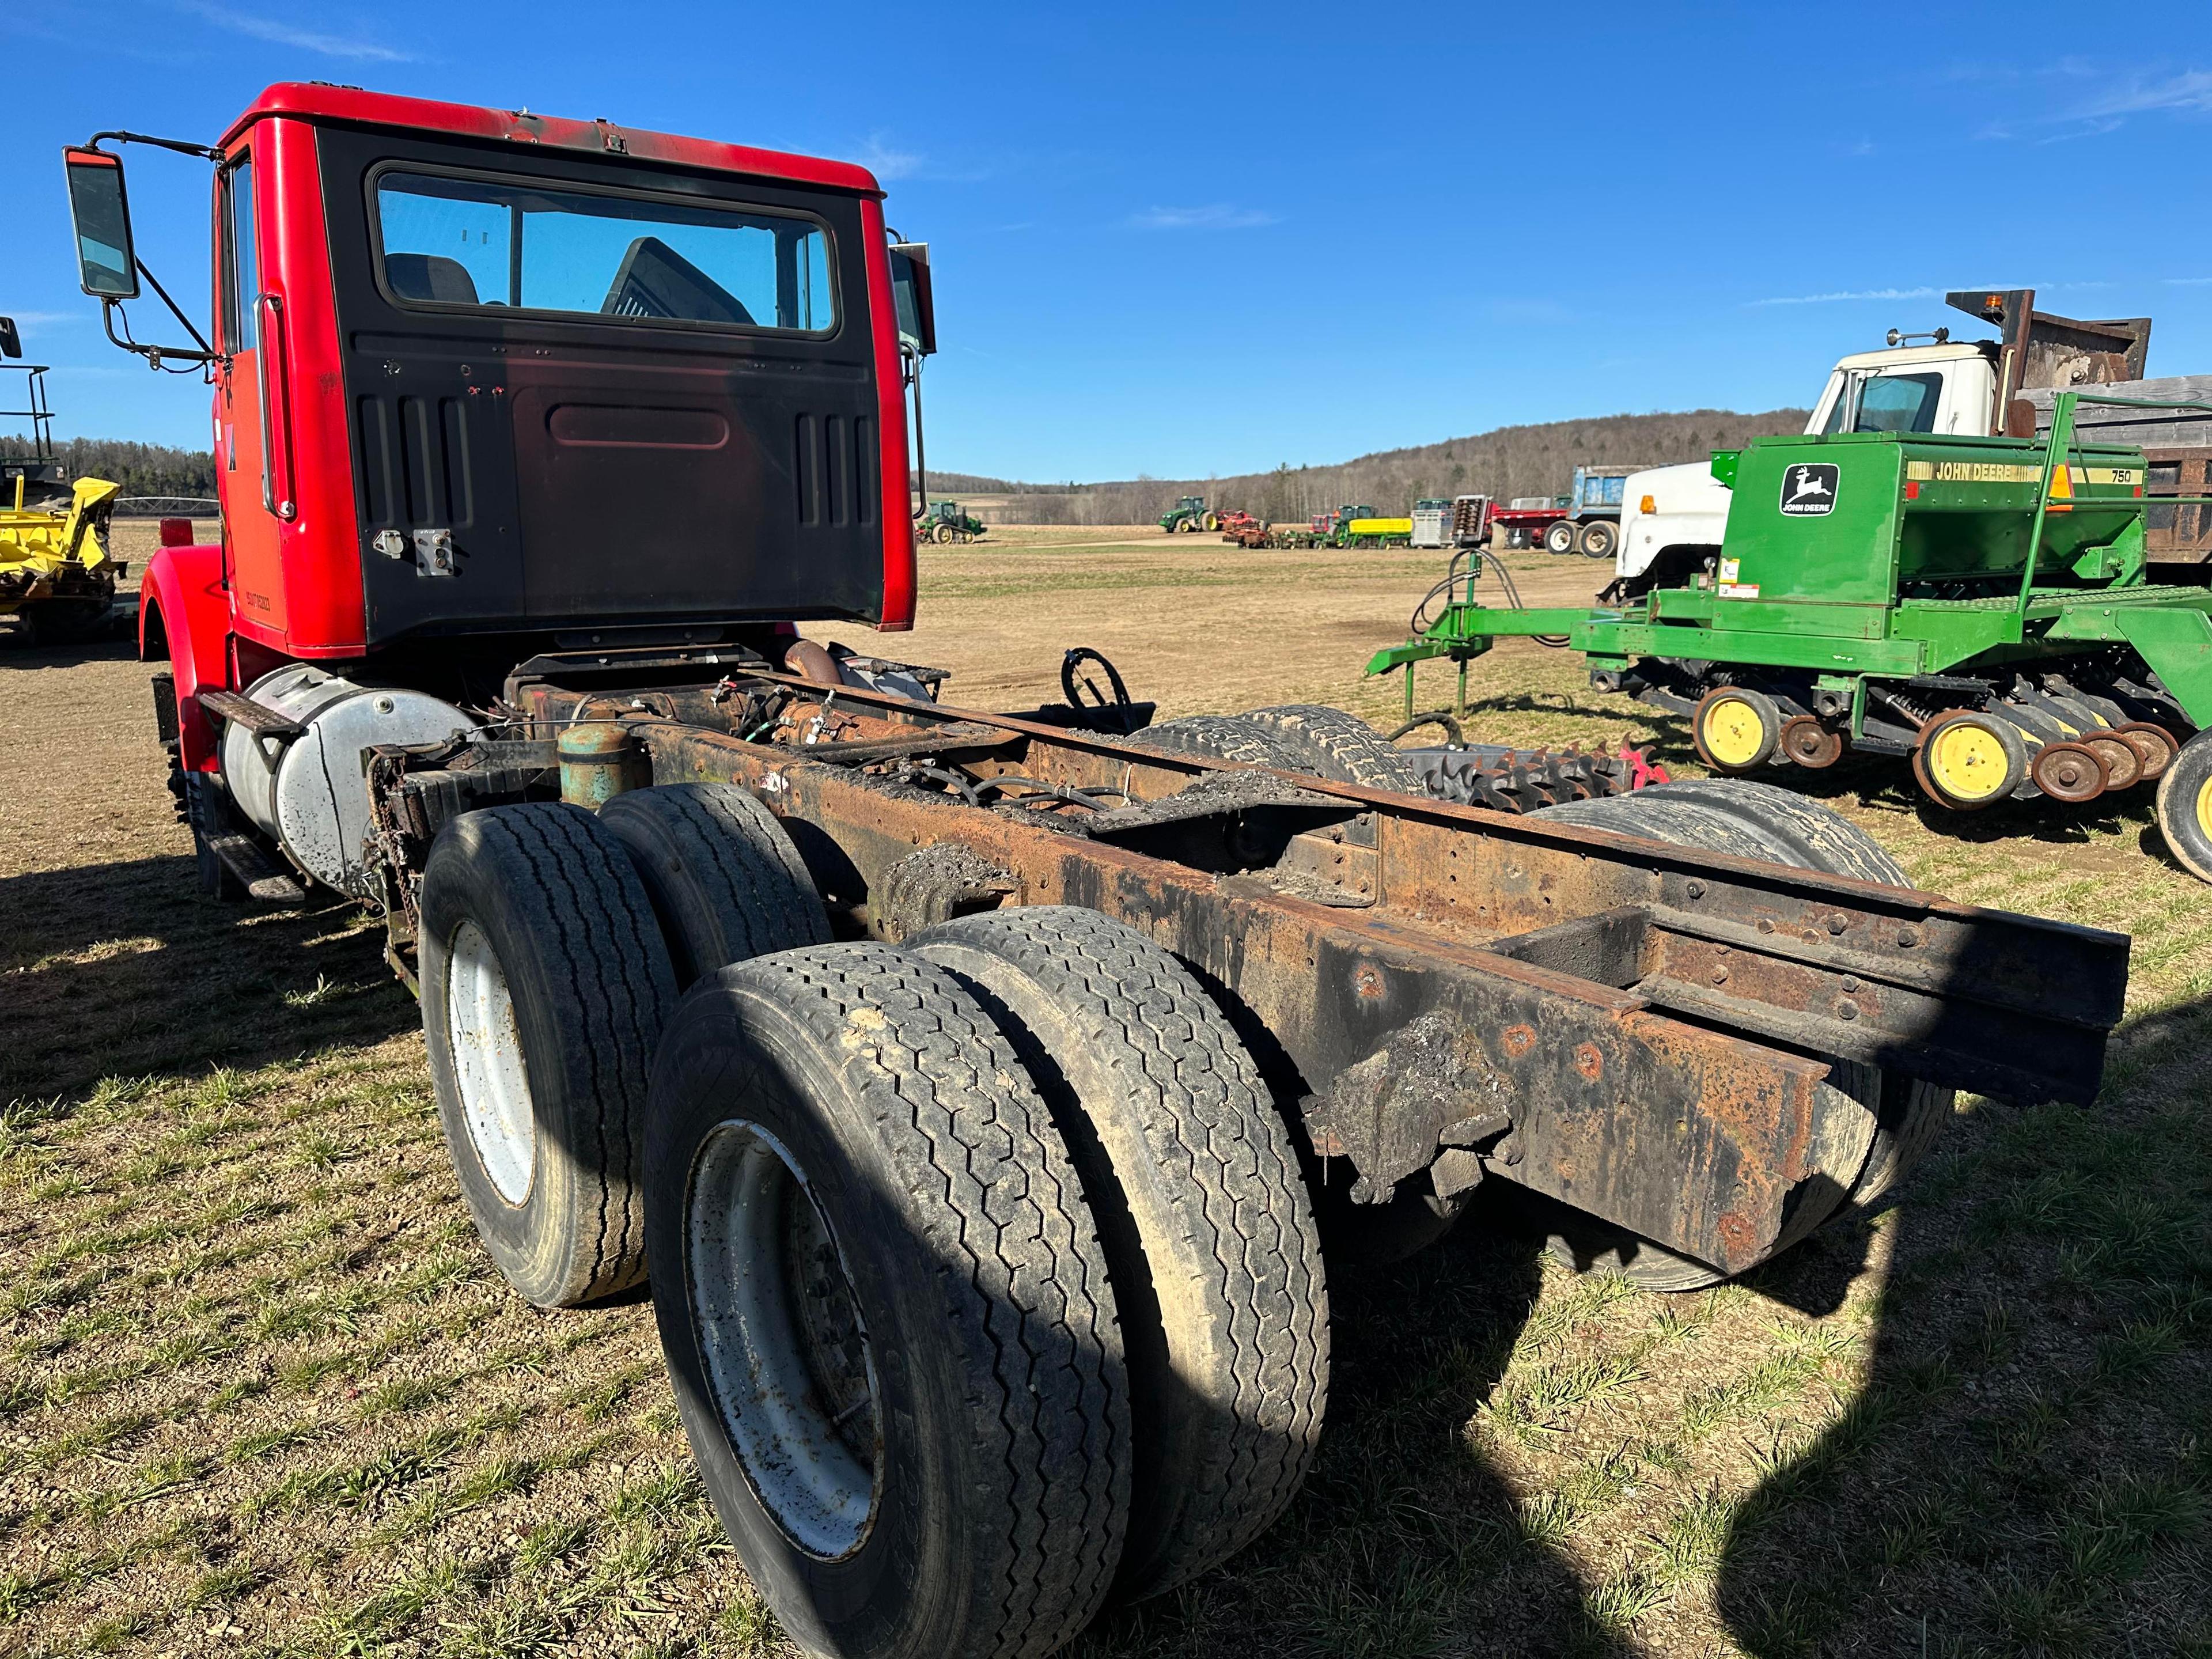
(1637, 1029)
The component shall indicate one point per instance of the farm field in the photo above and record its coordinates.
(261, 1394)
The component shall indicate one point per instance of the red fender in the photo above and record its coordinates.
(183, 612)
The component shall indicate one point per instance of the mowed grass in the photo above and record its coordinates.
(261, 1393)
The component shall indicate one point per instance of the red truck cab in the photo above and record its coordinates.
(487, 382)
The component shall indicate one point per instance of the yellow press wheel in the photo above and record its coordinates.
(2185, 806)
(1736, 729)
(1968, 760)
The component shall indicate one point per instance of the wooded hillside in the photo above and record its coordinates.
(1509, 461)
(140, 468)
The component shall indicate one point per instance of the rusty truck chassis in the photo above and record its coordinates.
(1638, 1030)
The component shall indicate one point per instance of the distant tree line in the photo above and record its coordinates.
(140, 468)
(1509, 461)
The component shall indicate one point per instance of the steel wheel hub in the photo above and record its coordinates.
(780, 1333)
(486, 1045)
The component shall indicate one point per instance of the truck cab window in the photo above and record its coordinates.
(1899, 402)
(242, 266)
(1884, 403)
(480, 242)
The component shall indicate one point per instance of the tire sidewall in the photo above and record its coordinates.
(530, 1241)
(2184, 779)
(730, 1054)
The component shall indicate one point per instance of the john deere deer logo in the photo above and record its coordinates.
(1809, 489)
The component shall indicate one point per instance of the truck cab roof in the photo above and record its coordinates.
(322, 102)
(1906, 356)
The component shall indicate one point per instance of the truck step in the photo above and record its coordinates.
(263, 879)
(240, 709)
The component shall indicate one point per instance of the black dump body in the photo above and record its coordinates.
(659, 456)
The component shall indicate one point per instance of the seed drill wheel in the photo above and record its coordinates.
(2157, 746)
(1968, 760)
(885, 1309)
(2185, 806)
(1810, 744)
(1559, 537)
(1736, 729)
(2071, 772)
(2124, 766)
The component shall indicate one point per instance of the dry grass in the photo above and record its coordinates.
(259, 1392)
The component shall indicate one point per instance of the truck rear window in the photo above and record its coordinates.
(492, 243)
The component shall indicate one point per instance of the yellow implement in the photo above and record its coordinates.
(1380, 527)
(55, 573)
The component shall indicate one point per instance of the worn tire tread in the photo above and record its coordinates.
(1344, 747)
(597, 938)
(753, 888)
(1221, 737)
(1238, 1222)
(988, 1184)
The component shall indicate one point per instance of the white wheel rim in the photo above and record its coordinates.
(786, 1352)
(486, 1045)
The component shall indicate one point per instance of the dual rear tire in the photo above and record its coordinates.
(984, 1271)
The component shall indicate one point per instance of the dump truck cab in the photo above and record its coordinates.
(1914, 389)
(485, 381)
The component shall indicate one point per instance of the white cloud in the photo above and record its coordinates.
(2188, 93)
(2190, 90)
(1217, 216)
(1854, 294)
(880, 158)
(285, 34)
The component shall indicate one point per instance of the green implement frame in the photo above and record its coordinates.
(1881, 558)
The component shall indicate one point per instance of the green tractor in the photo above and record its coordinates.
(1190, 515)
(1977, 606)
(943, 523)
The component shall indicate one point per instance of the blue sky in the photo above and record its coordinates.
(1188, 239)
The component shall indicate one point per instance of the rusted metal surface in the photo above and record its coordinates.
(239, 709)
(1624, 1026)
(2178, 535)
(599, 760)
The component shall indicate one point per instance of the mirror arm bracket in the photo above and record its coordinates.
(206, 352)
(182, 146)
(154, 354)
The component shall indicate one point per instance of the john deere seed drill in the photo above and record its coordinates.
(1977, 605)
